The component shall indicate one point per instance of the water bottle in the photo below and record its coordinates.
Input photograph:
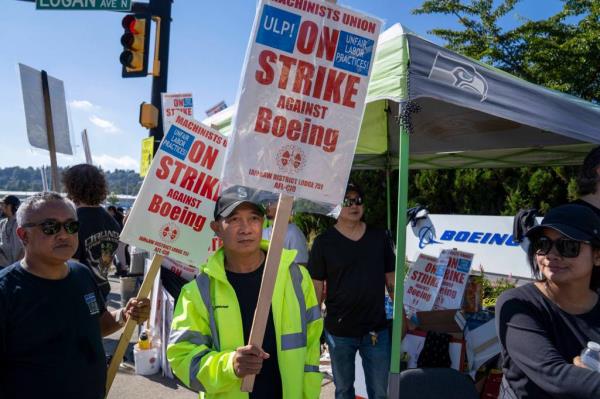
(590, 356)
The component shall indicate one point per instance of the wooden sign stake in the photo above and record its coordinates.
(130, 325)
(261, 314)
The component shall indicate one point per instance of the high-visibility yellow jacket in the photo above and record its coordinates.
(207, 329)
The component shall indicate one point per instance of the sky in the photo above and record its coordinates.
(207, 49)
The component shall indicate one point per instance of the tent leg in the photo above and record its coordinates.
(388, 197)
(393, 387)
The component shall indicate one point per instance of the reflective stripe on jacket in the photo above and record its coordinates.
(207, 329)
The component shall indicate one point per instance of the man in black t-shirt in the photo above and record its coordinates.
(99, 233)
(52, 316)
(357, 263)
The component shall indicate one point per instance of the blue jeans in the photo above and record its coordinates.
(375, 362)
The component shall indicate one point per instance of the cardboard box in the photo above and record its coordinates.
(439, 321)
(482, 344)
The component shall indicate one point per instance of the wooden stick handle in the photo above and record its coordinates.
(130, 325)
(261, 314)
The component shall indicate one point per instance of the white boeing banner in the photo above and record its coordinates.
(489, 238)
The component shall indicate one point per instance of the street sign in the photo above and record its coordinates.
(110, 5)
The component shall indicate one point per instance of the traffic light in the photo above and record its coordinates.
(135, 41)
(148, 115)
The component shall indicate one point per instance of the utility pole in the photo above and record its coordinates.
(160, 12)
(162, 9)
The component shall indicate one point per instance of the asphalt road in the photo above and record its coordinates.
(128, 385)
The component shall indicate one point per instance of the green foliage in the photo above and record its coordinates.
(373, 185)
(312, 224)
(20, 179)
(112, 199)
(29, 179)
(491, 290)
(561, 52)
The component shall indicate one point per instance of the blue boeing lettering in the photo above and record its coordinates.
(426, 237)
(475, 237)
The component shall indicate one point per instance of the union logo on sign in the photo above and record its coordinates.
(291, 159)
(169, 232)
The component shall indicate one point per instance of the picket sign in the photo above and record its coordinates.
(261, 314)
(257, 333)
(168, 217)
(144, 292)
(275, 145)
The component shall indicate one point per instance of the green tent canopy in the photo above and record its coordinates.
(466, 114)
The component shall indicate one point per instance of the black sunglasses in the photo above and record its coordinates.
(51, 226)
(566, 247)
(351, 201)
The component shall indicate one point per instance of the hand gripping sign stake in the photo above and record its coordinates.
(130, 325)
(261, 314)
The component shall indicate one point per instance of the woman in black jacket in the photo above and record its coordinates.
(543, 326)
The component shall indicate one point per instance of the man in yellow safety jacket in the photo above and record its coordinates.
(213, 317)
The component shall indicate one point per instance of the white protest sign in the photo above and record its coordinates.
(188, 272)
(184, 271)
(173, 210)
(456, 265)
(173, 104)
(421, 285)
(302, 99)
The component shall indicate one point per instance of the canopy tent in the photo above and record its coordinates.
(465, 114)
(429, 107)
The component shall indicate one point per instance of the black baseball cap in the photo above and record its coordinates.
(353, 187)
(233, 197)
(577, 222)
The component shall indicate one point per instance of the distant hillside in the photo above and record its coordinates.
(29, 179)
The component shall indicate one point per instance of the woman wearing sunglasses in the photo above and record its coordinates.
(543, 326)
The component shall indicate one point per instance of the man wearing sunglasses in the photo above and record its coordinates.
(543, 326)
(52, 315)
(357, 263)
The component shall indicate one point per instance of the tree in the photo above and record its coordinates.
(112, 199)
(29, 179)
(561, 52)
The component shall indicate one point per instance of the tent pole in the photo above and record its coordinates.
(388, 197)
(394, 380)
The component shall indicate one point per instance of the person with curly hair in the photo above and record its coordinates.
(99, 233)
